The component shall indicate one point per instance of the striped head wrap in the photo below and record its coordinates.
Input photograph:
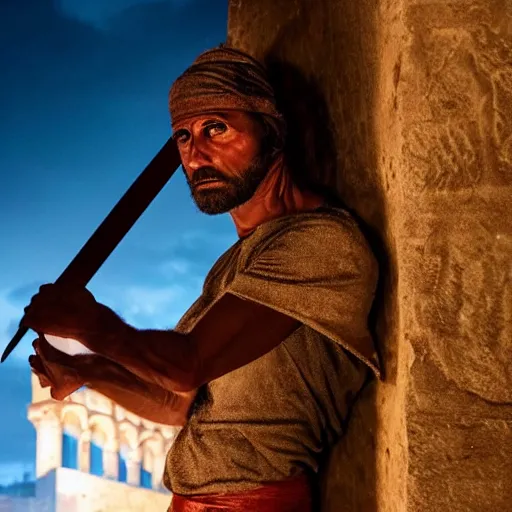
(224, 79)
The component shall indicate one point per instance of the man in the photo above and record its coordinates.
(263, 367)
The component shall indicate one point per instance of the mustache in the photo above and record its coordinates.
(205, 173)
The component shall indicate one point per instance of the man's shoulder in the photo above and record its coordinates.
(323, 226)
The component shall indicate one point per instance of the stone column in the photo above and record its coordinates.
(133, 472)
(158, 470)
(111, 460)
(48, 444)
(133, 465)
(415, 104)
(84, 460)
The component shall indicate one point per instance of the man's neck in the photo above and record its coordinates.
(276, 196)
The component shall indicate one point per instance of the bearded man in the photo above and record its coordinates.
(262, 369)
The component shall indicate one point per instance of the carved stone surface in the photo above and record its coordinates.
(415, 102)
(464, 466)
(458, 275)
(457, 92)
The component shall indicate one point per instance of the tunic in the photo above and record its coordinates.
(273, 418)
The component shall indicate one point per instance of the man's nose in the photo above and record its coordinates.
(196, 156)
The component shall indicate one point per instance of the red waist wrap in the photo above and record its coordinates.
(292, 495)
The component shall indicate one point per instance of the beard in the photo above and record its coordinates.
(230, 191)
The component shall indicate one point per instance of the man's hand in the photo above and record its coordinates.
(55, 369)
(62, 311)
(72, 312)
(65, 374)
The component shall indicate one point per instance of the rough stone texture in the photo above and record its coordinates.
(405, 108)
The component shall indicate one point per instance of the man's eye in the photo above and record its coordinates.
(215, 129)
(181, 137)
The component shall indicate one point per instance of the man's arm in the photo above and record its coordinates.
(232, 333)
(328, 285)
(140, 397)
(64, 374)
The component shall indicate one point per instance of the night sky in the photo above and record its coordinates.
(83, 109)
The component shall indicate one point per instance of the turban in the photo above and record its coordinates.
(224, 79)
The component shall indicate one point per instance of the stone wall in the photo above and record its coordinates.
(405, 109)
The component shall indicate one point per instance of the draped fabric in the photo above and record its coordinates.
(292, 495)
(274, 417)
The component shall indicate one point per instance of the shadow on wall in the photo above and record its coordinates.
(310, 147)
(325, 85)
(348, 475)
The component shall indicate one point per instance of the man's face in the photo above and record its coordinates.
(221, 158)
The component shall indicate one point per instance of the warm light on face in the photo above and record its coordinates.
(222, 159)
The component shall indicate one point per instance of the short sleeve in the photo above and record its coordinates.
(318, 269)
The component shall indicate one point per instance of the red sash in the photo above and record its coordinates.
(292, 495)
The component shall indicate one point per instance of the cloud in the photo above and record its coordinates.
(152, 307)
(8, 311)
(21, 295)
(197, 249)
(95, 13)
(10, 316)
(150, 286)
(99, 13)
(12, 303)
(17, 439)
(159, 308)
(199, 243)
(175, 268)
(168, 278)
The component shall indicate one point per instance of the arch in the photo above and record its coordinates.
(128, 440)
(103, 430)
(103, 437)
(72, 421)
(74, 414)
(147, 466)
(155, 443)
(152, 459)
(128, 435)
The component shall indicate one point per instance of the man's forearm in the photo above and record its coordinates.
(167, 359)
(140, 397)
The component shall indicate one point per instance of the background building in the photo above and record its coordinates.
(92, 456)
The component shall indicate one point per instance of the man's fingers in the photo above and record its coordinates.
(36, 363)
(39, 370)
(50, 353)
(58, 394)
(43, 380)
(43, 349)
(33, 360)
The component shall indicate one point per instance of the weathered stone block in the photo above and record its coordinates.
(413, 129)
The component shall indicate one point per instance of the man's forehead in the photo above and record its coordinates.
(206, 117)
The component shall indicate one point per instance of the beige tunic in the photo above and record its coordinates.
(272, 418)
